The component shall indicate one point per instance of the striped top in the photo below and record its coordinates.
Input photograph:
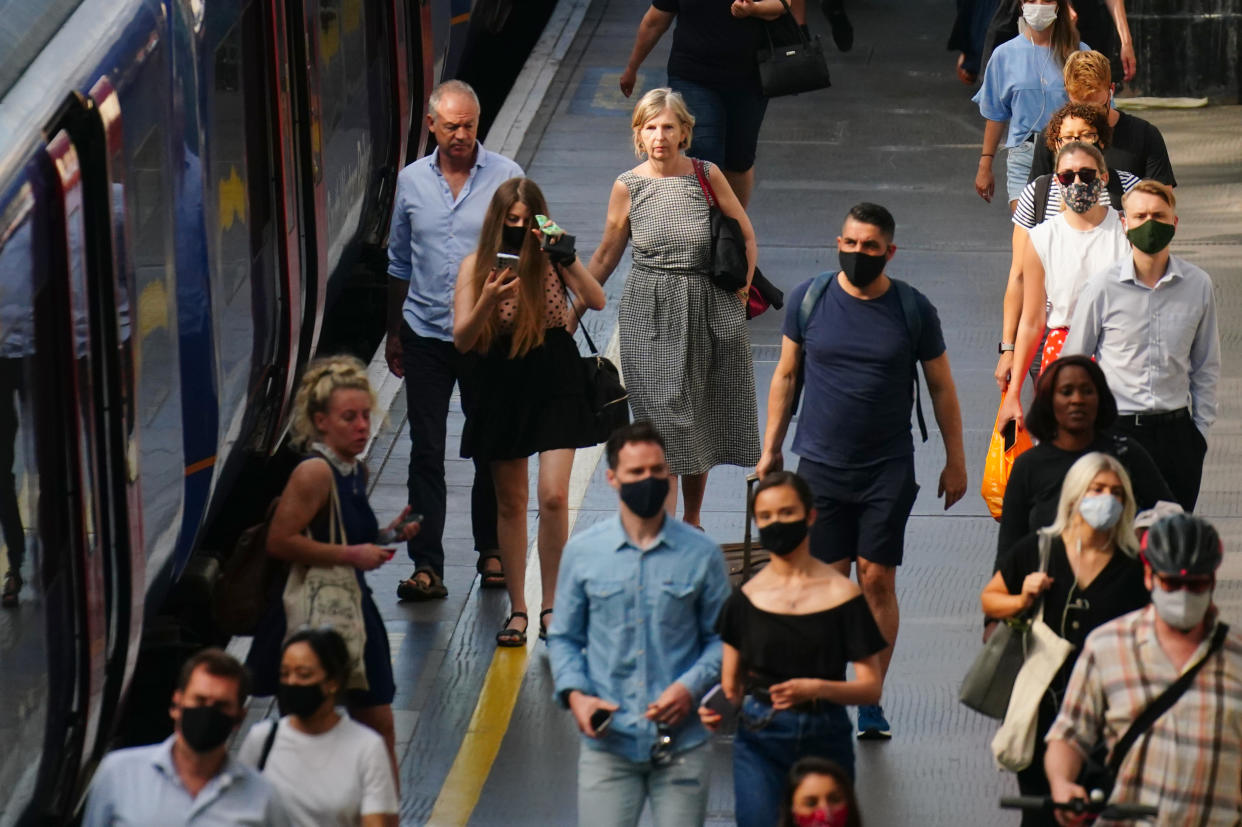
(1024, 213)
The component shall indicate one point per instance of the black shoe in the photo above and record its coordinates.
(12, 588)
(839, 22)
(512, 638)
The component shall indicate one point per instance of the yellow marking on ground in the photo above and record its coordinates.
(231, 195)
(608, 93)
(351, 11)
(152, 309)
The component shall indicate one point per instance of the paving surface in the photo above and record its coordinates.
(897, 128)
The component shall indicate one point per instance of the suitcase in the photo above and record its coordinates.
(747, 557)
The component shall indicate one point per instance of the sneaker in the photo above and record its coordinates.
(12, 588)
(872, 725)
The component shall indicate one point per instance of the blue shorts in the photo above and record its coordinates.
(726, 122)
(1018, 167)
(862, 512)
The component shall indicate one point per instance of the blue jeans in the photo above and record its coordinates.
(1018, 161)
(763, 754)
(612, 789)
(726, 122)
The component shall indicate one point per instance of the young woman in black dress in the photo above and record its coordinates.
(1093, 576)
(789, 634)
(531, 396)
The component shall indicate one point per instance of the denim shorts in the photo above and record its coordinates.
(1018, 167)
(726, 122)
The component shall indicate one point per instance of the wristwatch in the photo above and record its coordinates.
(1004, 347)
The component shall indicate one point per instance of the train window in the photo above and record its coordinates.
(27, 29)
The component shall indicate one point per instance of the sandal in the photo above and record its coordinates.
(417, 590)
(489, 579)
(543, 628)
(512, 637)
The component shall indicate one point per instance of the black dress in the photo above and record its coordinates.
(533, 403)
(1073, 612)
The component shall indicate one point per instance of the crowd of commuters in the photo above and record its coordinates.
(650, 650)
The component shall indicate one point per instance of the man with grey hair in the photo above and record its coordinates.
(440, 203)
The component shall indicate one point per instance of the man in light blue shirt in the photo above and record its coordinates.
(1150, 323)
(189, 778)
(440, 203)
(634, 640)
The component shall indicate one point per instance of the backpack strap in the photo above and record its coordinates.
(914, 326)
(1114, 189)
(1043, 184)
(814, 292)
(267, 745)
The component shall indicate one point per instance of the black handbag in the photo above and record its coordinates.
(608, 398)
(791, 68)
(728, 265)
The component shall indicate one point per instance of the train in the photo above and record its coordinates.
(187, 188)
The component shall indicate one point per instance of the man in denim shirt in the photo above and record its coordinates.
(634, 637)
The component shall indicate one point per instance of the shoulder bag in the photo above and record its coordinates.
(791, 68)
(240, 597)
(989, 682)
(728, 260)
(607, 396)
(318, 596)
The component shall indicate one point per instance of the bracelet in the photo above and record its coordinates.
(988, 155)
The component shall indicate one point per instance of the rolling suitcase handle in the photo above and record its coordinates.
(751, 479)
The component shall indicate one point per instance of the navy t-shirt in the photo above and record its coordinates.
(859, 387)
(710, 45)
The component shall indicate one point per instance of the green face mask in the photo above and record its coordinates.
(1151, 236)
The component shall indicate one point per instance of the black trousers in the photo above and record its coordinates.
(432, 367)
(1178, 449)
(10, 513)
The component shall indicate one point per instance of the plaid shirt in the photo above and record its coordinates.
(1189, 763)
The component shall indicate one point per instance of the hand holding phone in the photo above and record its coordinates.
(717, 702)
(507, 261)
(558, 244)
(601, 719)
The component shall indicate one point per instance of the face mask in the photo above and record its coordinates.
(1081, 197)
(782, 538)
(513, 237)
(300, 700)
(646, 496)
(205, 728)
(824, 818)
(1182, 609)
(1038, 16)
(1101, 511)
(1151, 236)
(860, 268)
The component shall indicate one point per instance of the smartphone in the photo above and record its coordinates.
(547, 226)
(718, 702)
(506, 260)
(600, 720)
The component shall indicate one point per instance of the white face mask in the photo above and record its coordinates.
(1182, 609)
(1039, 16)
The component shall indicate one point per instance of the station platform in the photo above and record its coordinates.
(481, 740)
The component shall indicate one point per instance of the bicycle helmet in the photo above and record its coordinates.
(1182, 545)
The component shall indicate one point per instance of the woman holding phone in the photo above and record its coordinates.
(789, 634)
(511, 307)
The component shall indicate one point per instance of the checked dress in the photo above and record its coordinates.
(685, 350)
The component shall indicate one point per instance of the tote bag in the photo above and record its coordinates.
(318, 596)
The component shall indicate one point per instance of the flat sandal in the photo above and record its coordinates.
(512, 638)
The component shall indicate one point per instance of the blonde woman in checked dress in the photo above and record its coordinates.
(685, 350)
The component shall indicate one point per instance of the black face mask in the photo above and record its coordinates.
(782, 538)
(300, 700)
(513, 237)
(862, 269)
(205, 728)
(645, 497)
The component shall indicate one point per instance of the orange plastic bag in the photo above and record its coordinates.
(1007, 443)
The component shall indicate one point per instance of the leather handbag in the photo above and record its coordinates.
(989, 683)
(607, 396)
(728, 263)
(790, 68)
(241, 595)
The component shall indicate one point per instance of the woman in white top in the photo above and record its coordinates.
(329, 769)
(1086, 237)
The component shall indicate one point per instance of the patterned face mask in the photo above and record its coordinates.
(1081, 197)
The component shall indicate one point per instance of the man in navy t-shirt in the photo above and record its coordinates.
(857, 353)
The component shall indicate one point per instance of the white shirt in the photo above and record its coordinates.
(1158, 346)
(1071, 256)
(334, 778)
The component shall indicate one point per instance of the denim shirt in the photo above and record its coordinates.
(432, 231)
(629, 622)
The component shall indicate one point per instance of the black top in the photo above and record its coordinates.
(777, 647)
(710, 45)
(1034, 486)
(1137, 147)
(1116, 590)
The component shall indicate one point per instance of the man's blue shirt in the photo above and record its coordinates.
(431, 232)
(141, 786)
(630, 622)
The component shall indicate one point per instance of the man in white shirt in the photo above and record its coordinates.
(1150, 322)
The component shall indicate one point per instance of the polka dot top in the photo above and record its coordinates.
(556, 309)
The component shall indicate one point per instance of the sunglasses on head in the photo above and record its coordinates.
(1086, 175)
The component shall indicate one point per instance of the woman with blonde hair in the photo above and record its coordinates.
(1093, 575)
(332, 422)
(685, 350)
(531, 396)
